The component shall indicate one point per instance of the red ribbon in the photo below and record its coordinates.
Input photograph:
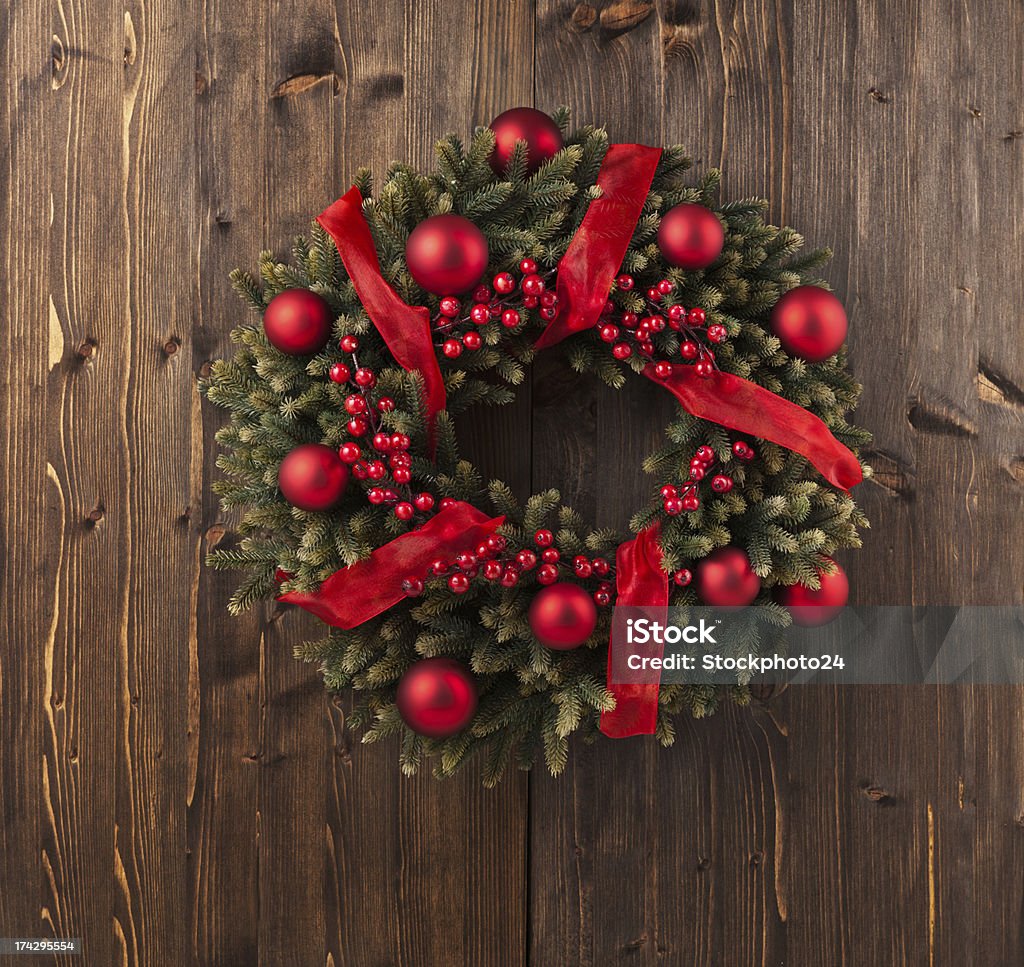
(404, 328)
(590, 263)
(738, 404)
(639, 581)
(369, 587)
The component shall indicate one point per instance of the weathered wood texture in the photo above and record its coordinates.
(177, 790)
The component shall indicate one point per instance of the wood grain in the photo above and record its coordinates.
(176, 789)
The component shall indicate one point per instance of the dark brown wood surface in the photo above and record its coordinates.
(176, 789)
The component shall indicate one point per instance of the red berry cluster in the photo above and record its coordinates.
(630, 329)
(677, 500)
(385, 461)
(494, 561)
(495, 302)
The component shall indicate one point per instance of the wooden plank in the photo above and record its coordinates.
(422, 871)
(160, 193)
(30, 518)
(224, 749)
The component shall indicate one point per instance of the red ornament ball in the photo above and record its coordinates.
(298, 322)
(812, 608)
(810, 323)
(563, 616)
(542, 136)
(725, 578)
(446, 254)
(437, 697)
(690, 236)
(313, 477)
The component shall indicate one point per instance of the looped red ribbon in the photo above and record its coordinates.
(369, 587)
(639, 582)
(405, 329)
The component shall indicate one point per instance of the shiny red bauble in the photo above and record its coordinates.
(446, 254)
(563, 616)
(298, 322)
(542, 136)
(437, 697)
(810, 323)
(690, 236)
(313, 477)
(725, 578)
(812, 608)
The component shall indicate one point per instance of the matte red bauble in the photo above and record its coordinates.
(447, 254)
(437, 697)
(690, 236)
(812, 608)
(725, 578)
(298, 322)
(542, 136)
(313, 477)
(810, 323)
(563, 616)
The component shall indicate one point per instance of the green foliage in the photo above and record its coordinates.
(780, 511)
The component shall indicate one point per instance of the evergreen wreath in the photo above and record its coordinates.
(523, 688)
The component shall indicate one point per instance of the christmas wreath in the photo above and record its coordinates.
(463, 620)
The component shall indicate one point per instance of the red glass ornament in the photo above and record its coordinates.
(810, 323)
(446, 254)
(690, 236)
(313, 477)
(542, 136)
(563, 616)
(437, 697)
(298, 322)
(726, 579)
(812, 608)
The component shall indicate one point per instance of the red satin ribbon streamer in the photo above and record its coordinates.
(369, 587)
(639, 581)
(738, 404)
(590, 263)
(404, 328)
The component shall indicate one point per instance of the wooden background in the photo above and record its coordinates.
(177, 790)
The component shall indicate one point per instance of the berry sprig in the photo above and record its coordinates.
(676, 500)
(365, 416)
(507, 299)
(494, 562)
(631, 329)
